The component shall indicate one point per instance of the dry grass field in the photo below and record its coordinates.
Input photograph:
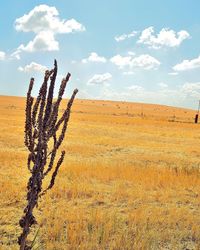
(130, 179)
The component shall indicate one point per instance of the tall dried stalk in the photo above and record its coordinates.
(42, 125)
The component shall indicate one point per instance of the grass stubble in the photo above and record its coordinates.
(130, 179)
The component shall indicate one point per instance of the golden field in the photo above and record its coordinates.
(130, 179)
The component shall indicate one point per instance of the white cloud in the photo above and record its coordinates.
(165, 38)
(33, 67)
(181, 95)
(162, 85)
(128, 73)
(135, 88)
(191, 89)
(46, 18)
(94, 57)
(121, 61)
(173, 73)
(2, 55)
(163, 95)
(43, 41)
(144, 61)
(70, 26)
(100, 79)
(125, 36)
(16, 53)
(133, 92)
(131, 53)
(45, 22)
(188, 65)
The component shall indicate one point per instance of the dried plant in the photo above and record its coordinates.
(42, 125)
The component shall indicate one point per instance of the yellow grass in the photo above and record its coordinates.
(130, 179)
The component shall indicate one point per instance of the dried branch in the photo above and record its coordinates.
(55, 173)
(41, 125)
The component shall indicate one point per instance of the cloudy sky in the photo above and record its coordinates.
(130, 50)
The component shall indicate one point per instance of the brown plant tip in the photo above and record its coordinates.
(41, 125)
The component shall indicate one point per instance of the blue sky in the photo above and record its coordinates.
(140, 51)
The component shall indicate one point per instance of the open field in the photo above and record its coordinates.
(130, 179)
